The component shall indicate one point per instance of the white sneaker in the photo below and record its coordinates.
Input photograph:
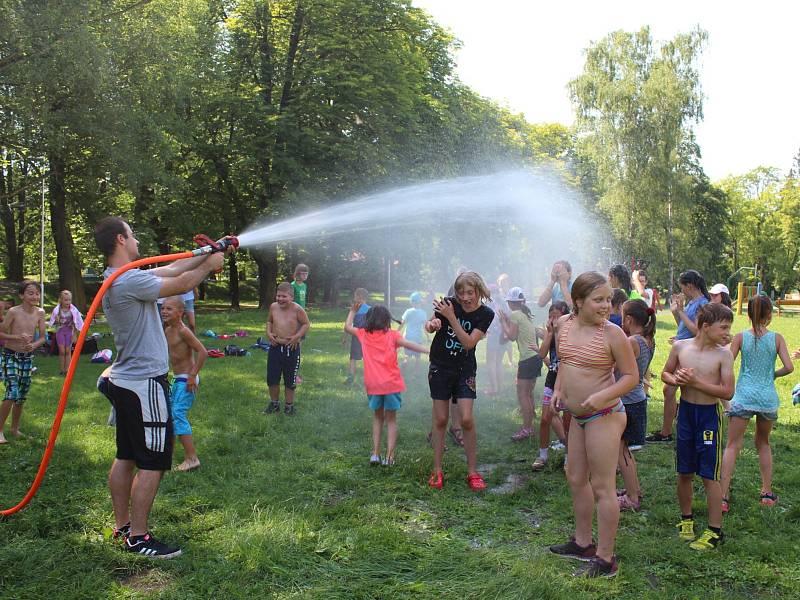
(635, 447)
(557, 446)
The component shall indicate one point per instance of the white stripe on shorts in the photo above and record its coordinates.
(154, 408)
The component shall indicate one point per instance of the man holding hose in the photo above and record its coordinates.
(138, 386)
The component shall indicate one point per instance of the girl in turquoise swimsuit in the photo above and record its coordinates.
(755, 395)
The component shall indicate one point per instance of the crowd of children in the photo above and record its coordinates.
(598, 343)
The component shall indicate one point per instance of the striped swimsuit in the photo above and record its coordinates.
(593, 355)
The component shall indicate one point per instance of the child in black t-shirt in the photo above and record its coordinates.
(460, 323)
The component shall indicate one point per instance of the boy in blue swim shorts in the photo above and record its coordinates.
(703, 368)
(183, 346)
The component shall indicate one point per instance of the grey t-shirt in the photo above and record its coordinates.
(130, 307)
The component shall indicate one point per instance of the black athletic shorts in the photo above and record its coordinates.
(282, 360)
(144, 422)
(451, 385)
(530, 368)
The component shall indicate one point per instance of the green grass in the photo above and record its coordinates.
(288, 507)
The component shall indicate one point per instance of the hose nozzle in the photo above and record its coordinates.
(209, 246)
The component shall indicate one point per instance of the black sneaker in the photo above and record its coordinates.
(572, 550)
(272, 407)
(657, 436)
(597, 567)
(288, 409)
(349, 380)
(147, 545)
(122, 532)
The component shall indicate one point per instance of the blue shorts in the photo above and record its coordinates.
(699, 443)
(182, 400)
(188, 306)
(385, 401)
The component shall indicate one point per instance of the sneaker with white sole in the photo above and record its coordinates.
(147, 545)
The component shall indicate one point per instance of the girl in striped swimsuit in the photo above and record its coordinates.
(589, 347)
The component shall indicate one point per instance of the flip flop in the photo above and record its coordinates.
(458, 438)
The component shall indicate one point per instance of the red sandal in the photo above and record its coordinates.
(476, 482)
(437, 480)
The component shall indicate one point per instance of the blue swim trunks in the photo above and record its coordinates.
(181, 401)
(385, 401)
(699, 444)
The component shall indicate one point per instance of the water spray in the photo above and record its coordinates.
(206, 246)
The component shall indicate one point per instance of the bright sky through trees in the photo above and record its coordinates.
(524, 53)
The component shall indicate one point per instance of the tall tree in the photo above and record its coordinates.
(636, 106)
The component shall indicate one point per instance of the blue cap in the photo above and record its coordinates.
(416, 298)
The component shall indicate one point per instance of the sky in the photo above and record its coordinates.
(522, 53)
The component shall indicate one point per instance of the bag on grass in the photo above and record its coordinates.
(102, 356)
(215, 353)
(234, 350)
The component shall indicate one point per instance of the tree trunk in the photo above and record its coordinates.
(267, 260)
(69, 267)
(670, 244)
(15, 256)
(233, 282)
(146, 215)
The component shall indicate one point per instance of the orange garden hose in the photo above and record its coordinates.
(73, 364)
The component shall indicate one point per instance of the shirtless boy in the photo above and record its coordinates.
(17, 330)
(183, 346)
(703, 368)
(286, 325)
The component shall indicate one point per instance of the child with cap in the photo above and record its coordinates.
(413, 320)
(518, 326)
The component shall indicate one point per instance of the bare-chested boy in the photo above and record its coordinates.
(703, 368)
(17, 330)
(183, 346)
(286, 325)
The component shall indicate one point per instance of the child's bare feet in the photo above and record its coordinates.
(18, 434)
(189, 464)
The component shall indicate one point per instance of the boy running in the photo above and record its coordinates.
(182, 347)
(703, 368)
(17, 330)
(286, 325)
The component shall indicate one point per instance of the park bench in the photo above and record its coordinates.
(783, 302)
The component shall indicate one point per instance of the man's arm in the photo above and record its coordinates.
(546, 295)
(188, 279)
(563, 284)
(179, 266)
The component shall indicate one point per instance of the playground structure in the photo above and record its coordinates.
(744, 293)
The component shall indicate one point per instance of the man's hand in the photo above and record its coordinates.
(356, 306)
(273, 339)
(191, 383)
(215, 262)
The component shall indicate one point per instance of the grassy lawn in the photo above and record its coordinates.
(287, 507)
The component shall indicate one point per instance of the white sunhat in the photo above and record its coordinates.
(719, 288)
(515, 294)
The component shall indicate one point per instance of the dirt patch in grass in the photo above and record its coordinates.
(151, 580)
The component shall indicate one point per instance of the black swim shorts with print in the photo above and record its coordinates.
(144, 422)
(451, 385)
